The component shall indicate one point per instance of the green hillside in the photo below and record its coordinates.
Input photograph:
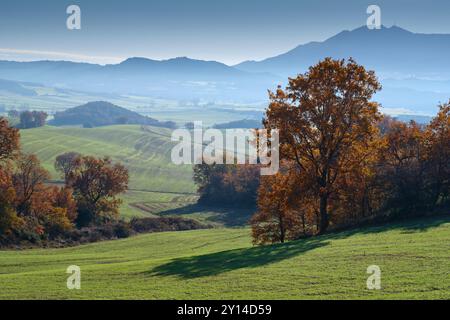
(222, 264)
(153, 178)
(102, 113)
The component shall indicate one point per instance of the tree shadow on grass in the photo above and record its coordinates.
(425, 224)
(220, 262)
(405, 225)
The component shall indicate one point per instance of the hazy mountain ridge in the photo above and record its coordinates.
(389, 51)
(414, 69)
(178, 78)
(17, 88)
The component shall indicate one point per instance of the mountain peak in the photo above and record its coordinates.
(388, 50)
(136, 60)
(383, 29)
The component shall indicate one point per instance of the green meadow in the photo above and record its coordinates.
(223, 264)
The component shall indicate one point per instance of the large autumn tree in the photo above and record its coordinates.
(323, 116)
(28, 179)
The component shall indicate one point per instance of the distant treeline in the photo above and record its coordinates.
(28, 119)
(227, 185)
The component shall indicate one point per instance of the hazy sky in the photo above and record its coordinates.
(228, 31)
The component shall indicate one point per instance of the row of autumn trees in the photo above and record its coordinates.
(33, 210)
(342, 162)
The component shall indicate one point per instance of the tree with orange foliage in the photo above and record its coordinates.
(8, 216)
(28, 180)
(403, 167)
(322, 116)
(9, 148)
(438, 153)
(358, 194)
(63, 198)
(96, 183)
(9, 141)
(276, 220)
(47, 215)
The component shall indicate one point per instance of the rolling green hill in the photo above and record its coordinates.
(222, 264)
(146, 153)
(102, 113)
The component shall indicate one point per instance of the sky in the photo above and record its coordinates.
(228, 31)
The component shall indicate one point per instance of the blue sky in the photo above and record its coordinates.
(228, 31)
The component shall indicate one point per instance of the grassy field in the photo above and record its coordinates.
(157, 187)
(217, 263)
(222, 264)
(153, 178)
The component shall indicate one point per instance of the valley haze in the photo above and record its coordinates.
(413, 68)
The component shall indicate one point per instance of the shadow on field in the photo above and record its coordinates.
(405, 226)
(425, 224)
(219, 262)
(229, 217)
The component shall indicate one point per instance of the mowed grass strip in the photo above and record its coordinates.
(222, 264)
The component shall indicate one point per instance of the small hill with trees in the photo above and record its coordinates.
(102, 113)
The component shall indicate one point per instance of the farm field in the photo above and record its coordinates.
(157, 187)
(222, 264)
(153, 178)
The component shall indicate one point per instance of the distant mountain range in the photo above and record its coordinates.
(179, 78)
(413, 68)
(391, 52)
(8, 87)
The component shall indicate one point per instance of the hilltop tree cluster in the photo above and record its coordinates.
(32, 210)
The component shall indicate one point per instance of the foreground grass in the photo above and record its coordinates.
(222, 264)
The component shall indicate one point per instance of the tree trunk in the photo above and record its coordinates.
(303, 224)
(281, 225)
(323, 214)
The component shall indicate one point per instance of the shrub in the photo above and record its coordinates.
(141, 225)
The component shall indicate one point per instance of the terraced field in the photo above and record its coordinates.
(155, 183)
